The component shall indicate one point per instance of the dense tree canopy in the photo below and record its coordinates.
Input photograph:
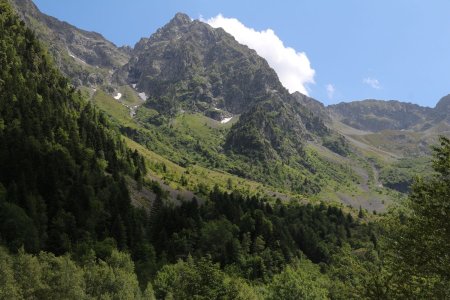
(62, 166)
(420, 239)
(256, 237)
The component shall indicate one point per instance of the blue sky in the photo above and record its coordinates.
(358, 49)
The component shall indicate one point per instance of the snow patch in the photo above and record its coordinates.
(143, 96)
(226, 120)
(215, 108)
(118, 96)
(134, 85)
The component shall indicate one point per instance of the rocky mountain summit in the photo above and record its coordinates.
(194, 95)
(203, 67)
(187, 65)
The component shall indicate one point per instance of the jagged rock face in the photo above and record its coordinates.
(377, 115)
(197, 68)
(85, 57)
(202, 67)
(188, 65)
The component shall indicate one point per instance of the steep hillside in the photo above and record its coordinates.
(85, 57)
(194, 95)
(62, 166)
(378, 115)
(71, 188)
(314, 106)
(402, 129)
(212, 102)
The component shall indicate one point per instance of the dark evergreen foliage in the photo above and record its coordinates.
(63, 189)
(61, 165)
(258, 238)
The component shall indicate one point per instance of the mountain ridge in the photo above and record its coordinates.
(84, 56)
(183, 51)
(190, 66)
(187, 70)
(377, 115)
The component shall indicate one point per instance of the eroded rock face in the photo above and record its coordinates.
(85, 57)
(196, 68)
(202, 67)
(315, 107)
(186, 66)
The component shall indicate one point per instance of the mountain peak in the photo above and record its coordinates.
(206, 68)
(180, 19)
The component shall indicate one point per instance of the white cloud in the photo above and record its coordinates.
(293, 68)
(373, 82)
(330, 90)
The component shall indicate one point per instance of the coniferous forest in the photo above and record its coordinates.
(69, 229)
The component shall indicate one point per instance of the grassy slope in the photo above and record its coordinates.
(112, 107)
(361, 186)
(192, 177)
(393, 155)
(129, 96)
(201, 127)
(186, 153)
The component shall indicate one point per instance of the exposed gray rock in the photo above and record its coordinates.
(202, 67)
(85, 57)
(190, 66)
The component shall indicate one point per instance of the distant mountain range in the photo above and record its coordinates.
(377, 115)
(207, 67)
(248, 124)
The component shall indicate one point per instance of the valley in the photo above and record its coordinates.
(183, 168)
(192, 111)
